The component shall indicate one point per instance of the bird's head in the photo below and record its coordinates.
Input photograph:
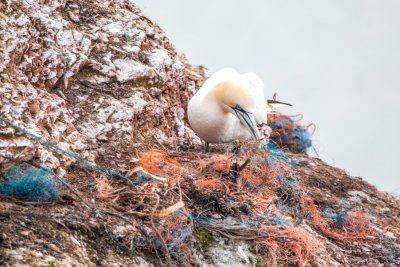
(236, 99)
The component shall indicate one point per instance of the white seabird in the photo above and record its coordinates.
(228, 107)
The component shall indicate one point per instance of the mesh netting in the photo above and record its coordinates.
(29, 183)
(290, 133)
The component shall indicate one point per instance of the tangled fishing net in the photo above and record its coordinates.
(29, 183)
(176, 192)
(288, 132)
(350, 225)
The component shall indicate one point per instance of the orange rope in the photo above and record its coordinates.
(357, 225)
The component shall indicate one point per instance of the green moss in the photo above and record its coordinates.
(7, 135)
(29, 257)
(91, 247)
(260, 259)
(87, 73)
(144, 82)
(288, 264)
(251, 260)
(204, 240)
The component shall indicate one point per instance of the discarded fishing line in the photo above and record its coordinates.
(104, 211)
(69, 154)
(351, 225)
(294, 244)
(171, 236)
(223, 195)
(289, 132)
(281, 169)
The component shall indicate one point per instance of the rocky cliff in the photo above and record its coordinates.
(94, 92)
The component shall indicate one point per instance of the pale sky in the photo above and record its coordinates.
(337, 62)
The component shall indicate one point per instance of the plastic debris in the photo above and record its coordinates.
(66, 153)
(351, 225)
(178, 227)
(292, 243)
(280, 221)
(289, 133)
(219, 185)
(158, 162)
(29, 183)
(280, 168)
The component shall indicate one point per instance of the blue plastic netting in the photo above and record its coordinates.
(288, 132)
(29, 183)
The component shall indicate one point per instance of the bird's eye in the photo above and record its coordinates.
(239, 108)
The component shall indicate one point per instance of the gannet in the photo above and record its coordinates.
(228, 107)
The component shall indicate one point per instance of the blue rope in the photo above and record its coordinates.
(67, 153)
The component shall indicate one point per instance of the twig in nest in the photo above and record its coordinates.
(75, 193)
(235, 171)
(244, 165)
(25, 203)
(171, 209)
(92, 207)
(168, 256)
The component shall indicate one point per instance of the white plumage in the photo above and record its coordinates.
(228, 107)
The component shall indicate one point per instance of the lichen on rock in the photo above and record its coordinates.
(79, 72)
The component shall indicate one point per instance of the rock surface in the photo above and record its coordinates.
(82, 73)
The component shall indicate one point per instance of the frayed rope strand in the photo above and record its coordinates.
(67, 153)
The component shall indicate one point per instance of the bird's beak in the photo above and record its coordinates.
(277, 104)
(248, 120)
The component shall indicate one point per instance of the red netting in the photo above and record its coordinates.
(158, 162)
(291, 243)
(288, 132)
(356, 224)
(211, 184)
